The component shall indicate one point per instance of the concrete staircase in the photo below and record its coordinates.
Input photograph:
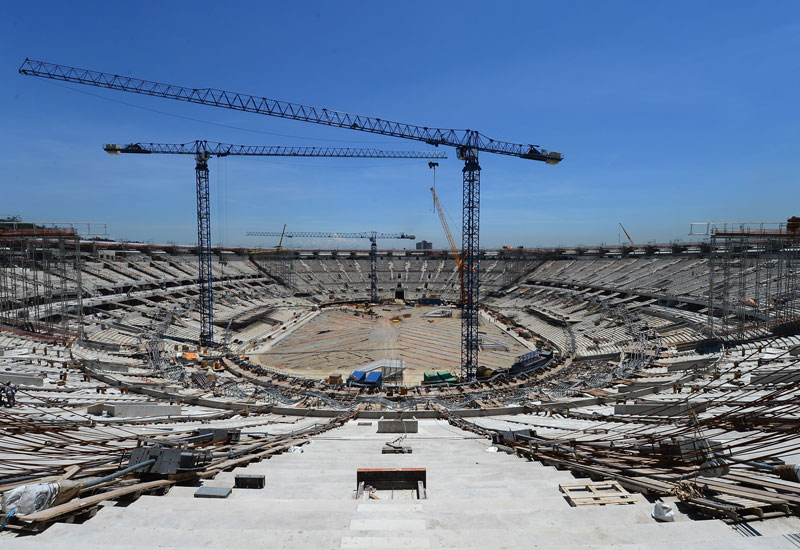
(476, 499)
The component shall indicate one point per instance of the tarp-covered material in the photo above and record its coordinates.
(28, 499)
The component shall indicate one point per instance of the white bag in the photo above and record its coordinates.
(663, 512)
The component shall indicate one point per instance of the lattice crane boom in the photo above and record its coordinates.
(280, 242)
(325, 235)
(451, 242)
(216, 149)
(445, 226)
(626, 233)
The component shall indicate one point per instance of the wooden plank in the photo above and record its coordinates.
(767, 482)
(599, 493)
(71, 471)
(743, 492)
(602, 501)
(272, 449)
(75, 505)
(360, 492)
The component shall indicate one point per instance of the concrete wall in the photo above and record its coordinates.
(661, 409)
(397, 426)
(21, 379)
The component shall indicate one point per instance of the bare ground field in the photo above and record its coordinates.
(336, 342)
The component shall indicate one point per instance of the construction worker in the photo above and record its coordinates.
(11, 391)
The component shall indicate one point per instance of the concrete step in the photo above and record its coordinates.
(522, 510)
(392, 542)
(224, 515)
(391, 533)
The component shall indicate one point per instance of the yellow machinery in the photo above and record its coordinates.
(626, 234)
(276, 249)
(450, 241)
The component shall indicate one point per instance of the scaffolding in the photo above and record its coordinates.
(278, 263)
(40, 278)
(753, 278)
(512, 265)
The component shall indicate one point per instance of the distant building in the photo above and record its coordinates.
(424, 245)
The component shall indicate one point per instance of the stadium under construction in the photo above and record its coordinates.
(611, 380)
(628, 396)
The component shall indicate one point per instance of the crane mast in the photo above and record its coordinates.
(205, 278)
(373, 237)
(468, 143)
(203, 150)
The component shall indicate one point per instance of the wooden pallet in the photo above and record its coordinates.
(597, 493)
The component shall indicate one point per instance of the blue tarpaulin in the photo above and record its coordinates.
(357, 375)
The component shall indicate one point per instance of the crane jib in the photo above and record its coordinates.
(226, 149)
(284, 109)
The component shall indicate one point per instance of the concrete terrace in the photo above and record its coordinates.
(475, 499)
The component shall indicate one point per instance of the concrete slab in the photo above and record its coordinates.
(21, 379)
(134, 410)
(661, 409)
(398, 426)
(387, 524)
(212, 492)
(380, 543)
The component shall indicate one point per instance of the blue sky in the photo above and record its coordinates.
(667, 113)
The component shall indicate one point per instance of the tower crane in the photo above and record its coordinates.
(468, 143)
(373, 237)
(203, 151)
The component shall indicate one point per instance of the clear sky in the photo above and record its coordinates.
(666, 113)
